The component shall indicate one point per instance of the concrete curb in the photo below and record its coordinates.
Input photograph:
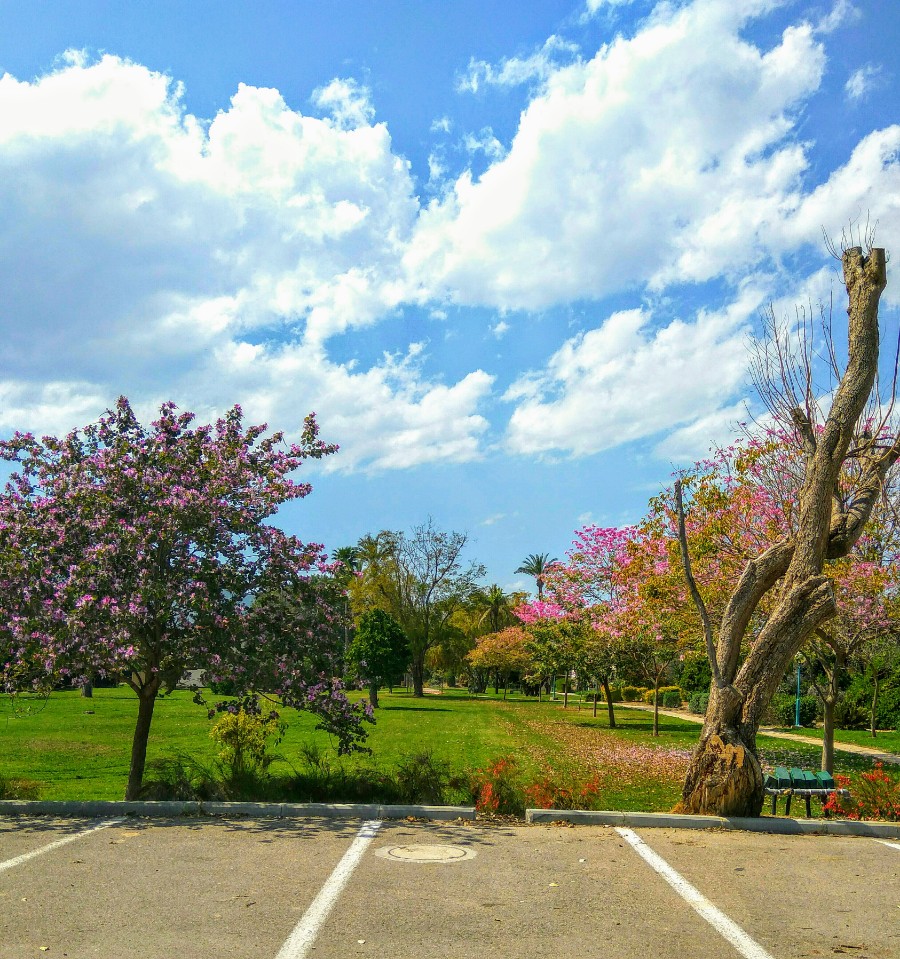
(771, 824)
(255, 810)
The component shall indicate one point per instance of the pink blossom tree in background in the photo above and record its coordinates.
(138, 551)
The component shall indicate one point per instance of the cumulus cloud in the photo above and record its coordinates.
(628, 379)
(146, 251)
(668, 157)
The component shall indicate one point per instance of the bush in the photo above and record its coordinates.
(850, 715)
(422, 779)
(550, 794)
(495, 789)
(875, 796)
(663, 690)
(18, 788)
(615, 695)
(631, 694)
(696, 675)
(181, 777)
(783, 710)
(672, 699)
(698, 703)
(245, 739)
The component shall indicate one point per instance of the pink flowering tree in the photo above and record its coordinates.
(140, 551)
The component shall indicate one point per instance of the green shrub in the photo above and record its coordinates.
(698, 703)
(631, 694)
(245, 739)
(647, 695)
(422, 779)
(671, 699)
(850, 715)
(783, 710)
(181, 777)
(695, 676)
(615, 695)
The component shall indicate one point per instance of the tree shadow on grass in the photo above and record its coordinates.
(414, 709)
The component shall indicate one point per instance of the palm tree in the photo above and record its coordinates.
(495, 606)
(537, 565)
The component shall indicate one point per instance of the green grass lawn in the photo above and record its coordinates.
(76, 748)
(887, 741)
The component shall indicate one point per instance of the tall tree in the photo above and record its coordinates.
(833, 506)
(421, 579)
(379, 651)
(138, 551)
(537, 565)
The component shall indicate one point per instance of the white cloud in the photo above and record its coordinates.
(627, 380)
(348, 103)
(515, 71)
(484, 142)
(842, 13)
(500, 328)
(493, 520)
(147, 252)
(861, 82)
(668, 157)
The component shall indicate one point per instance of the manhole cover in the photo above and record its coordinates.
(426, 853)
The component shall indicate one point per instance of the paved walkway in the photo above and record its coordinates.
(876, 754)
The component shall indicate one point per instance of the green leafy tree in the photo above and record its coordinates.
(379, 652)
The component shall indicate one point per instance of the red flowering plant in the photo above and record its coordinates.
(874, 795)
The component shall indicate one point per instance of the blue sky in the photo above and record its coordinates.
(510, 253)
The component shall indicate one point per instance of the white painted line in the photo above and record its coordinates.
(893, 845)
(304, 935)
(731, 931)
(55, 845)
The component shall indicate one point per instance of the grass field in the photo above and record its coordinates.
(76, 748)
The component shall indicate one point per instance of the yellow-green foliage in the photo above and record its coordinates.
(245, 739)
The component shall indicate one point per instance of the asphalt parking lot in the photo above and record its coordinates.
(287, 889)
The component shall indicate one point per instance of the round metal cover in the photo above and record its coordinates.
(424, 852)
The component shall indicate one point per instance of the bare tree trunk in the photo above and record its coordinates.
(373, 694)
(872, 723)
(828, 733)
(656, 707)
(610, 709)
(566, 691)
(596, 697)
(417, 668)
(146, 703)
(724, 776)
(87, 689)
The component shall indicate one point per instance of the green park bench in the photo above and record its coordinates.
(800, 782)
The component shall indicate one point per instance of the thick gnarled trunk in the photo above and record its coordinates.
(724, 777)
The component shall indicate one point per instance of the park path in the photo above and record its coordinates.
(876, 754)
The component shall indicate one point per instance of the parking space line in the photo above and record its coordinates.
(893, 845)
(747, 947)
(304, 935)
(55, 845)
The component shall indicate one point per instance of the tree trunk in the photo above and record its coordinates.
(610, 709)
(373, 694)
(828, 733)
(596, 696)
(417, 668)
(146, 703)
(566, 691)
(873, 723)
(87, 689)
(724, 776)
(656, 708)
